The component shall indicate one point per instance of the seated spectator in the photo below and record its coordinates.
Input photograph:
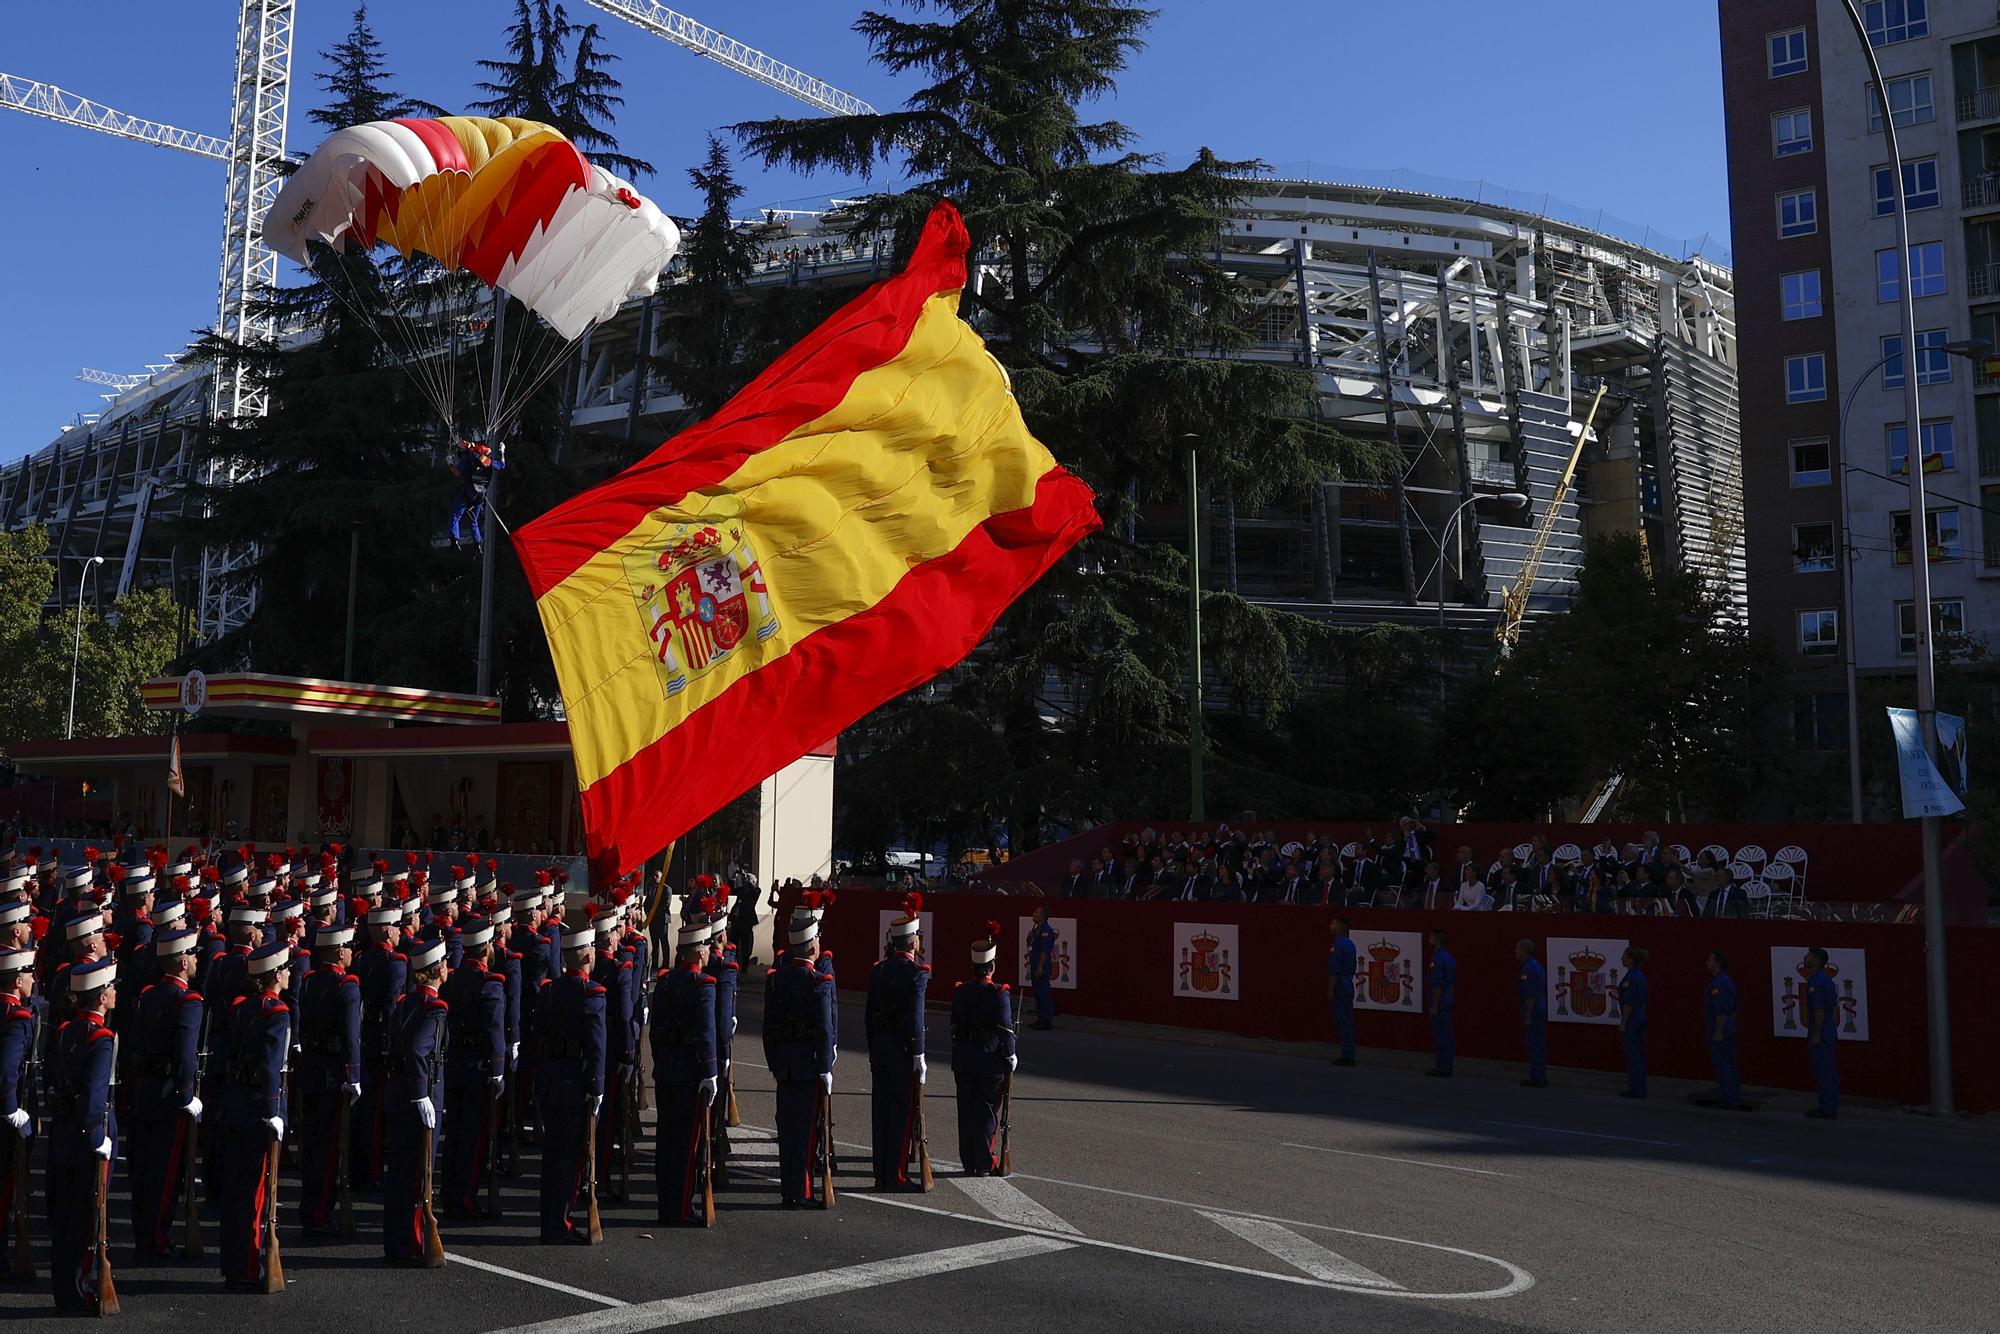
(1228, 886)
(1075, 885)
(1472, 895)
(1431, 885)
(1703, 883)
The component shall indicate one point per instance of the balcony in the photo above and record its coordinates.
(1982, 280)
(1981, 191)
(1979, 104)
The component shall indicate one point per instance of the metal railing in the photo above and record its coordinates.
(1979, 104)
(1982, 279)
(1981, 191)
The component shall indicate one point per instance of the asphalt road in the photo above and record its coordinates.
(1169, 1182)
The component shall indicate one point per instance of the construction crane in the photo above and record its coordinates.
(1515, 605)
(111, 378)
(59, 104)
(745, 60)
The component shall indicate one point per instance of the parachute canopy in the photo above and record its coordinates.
(510, 201)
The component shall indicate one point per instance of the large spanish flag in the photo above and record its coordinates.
(844, 529)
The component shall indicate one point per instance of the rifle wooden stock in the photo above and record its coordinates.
(594, 1223)
(826, 1165)
(343, 1194)
(923, 1142)
(1006, 1116)
(433, 1243)
(274, 1261)
(733, 1117)
(707, 1172)
(107, 1285)
(24, 1253)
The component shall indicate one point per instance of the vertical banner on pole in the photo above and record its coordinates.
(1926, 792)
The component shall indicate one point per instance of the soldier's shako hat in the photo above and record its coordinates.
(289, 909)
(77, 877)
(389, 914)
(912, 921)
(606, 921)
(577, 938)
(987, 949)
(181, 867)
(236, 874)
(80, 927)
(245, 915)
(94, 974)
(326, 898)
(527, 899)
(15, 961)
(310, 879)
(476, 931)
(137, 884)
(327, 937)
(16, 876)
(262, 888)
(18, 911)
(501, 915)
(487, 873)
(425, 953)
(265, 958)
(803, 931)
(178, 941)
(697, 932)
(173, 910)
(461, 877)
(441, 896)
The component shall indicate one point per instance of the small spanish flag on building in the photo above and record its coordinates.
(844, 529)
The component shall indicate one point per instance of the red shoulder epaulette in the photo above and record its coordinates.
(771, 971)
(826, 954)
(99, 1033)
(1003, 986)
(956, 985)
(148, 987)
(190, 995)
(706, 978)
(238, 1001)
(732, 965)
(273, 1003)
(349, 979)
(596, 989)
(435, 1003)
(20, 1012)
(398, 957)
(924, 967)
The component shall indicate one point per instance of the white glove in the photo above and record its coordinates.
(1013, 1064)
(732, 1025)
(836, 1055)
(827, 1079)
(725, 1069)
(353, 1092)
(427, 1113)
(193, 1109)
(707, 1091)
(514, 1054)
(596, 1101)
(18, 1119)
(923, 1069)
(497, 1083)
(277, 1124)
(104, 1149)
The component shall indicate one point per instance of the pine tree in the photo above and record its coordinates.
(705, 318)
(586, 104)
(528, 83)
(1115, 323)
(356, 82)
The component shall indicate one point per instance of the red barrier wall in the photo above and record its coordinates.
(1125, 960)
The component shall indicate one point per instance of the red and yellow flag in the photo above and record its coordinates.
(844, 529)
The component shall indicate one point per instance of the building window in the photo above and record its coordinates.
(1926, 272)
(1819, 632)
(1940, 525)
(1812, 548)
(1791, 132)
(1920, 187)
(1799, 294)
(1947, 618)
(1805, 378)
(1892, 21)
(1910, 102)
(1798, 213)
(1788, 53)
(1819, 721)
(1811, 463)
(1939, 446)
(1933, 362)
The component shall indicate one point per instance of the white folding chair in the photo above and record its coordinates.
(1523, 851)
(1795, 857)
(1720, 853)
(1784, 889)
(1756, 897)
(1569, 854)
(1752, 856)
(1681, 856)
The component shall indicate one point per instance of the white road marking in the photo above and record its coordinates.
(800, 1288)
(1298, 1252)
(1587, 1134)
(1005, 1200)
(1407, 1162)
(454, 1257)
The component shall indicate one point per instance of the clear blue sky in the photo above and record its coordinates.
(112, 247)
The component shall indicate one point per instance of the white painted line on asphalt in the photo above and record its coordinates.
(1296, 1251)
(1407, 1162)
(1587, 1134)
(1005, 1200)
(799, 1288)
(454, 1257)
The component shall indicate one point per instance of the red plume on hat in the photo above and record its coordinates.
(913, 904)
(208, 875)
(543, 879)
(38, 925)
(272, 861)
(459, 873)
(811, 898)
(335, 849)
(619, 893)
(117, 842)
(93, 856)
(993, 928)
(181, 885)
(381, 867)
(492, 865)
(248, 852)
(409, 859)
(198, 908)
(157, 859)
(561, 876)
(704, 882)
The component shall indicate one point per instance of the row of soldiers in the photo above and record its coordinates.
(361, 1028)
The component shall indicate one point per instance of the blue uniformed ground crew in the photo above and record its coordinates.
(723, 966)
(982, 1057)
(1441, 998)
(1041, 968)
(166, 1109)
(384, 971)
(1719, 1026)
(20, 1036)
(799, 1049)
(253, 1110)
(1822, 1002)
(83, 1131)
(569, 1081)
(897, 987)
(684, 1073)
(1635, 1012)
(329, 1074)
(475, 1072)
(1340, 989)
(1531, 1000)
(413, 1099)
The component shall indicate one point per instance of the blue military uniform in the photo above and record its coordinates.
(684, 1060)
(1635, 1005)
(20, 1034)
(569, 1083)
(621, 1053)
(798, 1048)
(220, 987)
(1041, 971)
(723, 967)
(1340, 962)
(1441, 984)
(897, 987)
(260, 1039)
(476, 997)
(1823, 1017)
(83, 1134)
(166, 1033)
(1531, 985)
(415, 1072)
(329, 1079)
(982, 1051)
(1719, 1009)
(538, 964)
(384, 974)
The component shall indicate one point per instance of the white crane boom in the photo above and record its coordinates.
(58, 104)
(111, 378)
(745, 60)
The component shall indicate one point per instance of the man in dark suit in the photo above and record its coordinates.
(1418, 846)
(1075, 885)
(1196, 883)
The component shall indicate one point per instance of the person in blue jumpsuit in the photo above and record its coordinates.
(1041, 969)
(982, 1057)
(329, 1068)
(897, 987)
(569, 1081)
(83, 1131)
(1531, 999)
(684, 1072)
(475, 1071)
(165, 1107)
(413, 1104)
(1635, 1011)
(1822, 1032)
(20, 1034)
(473, 464)
(723, 966)
(384, 971)
(798, 1048)
(1340, 962)
(1441, 997)
(1719, 1011)
(252, 1114)
(621, 1055)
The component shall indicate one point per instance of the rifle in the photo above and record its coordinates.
(24, 1254)
(628, 1124)
(190, 1205)
(707, 1172)
(343, 1208)
(826, 1164)
(493, 1151)
(595, 1223)
(732, 1118)
(274, 1262)
(923, 1143)
(511, 1118)
(433, 1243)
(1006, 1112)
(107, 1286)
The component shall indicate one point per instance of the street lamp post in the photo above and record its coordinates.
(76, 647)
(1511, 499)
(1197, 804)
(1937, 996)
